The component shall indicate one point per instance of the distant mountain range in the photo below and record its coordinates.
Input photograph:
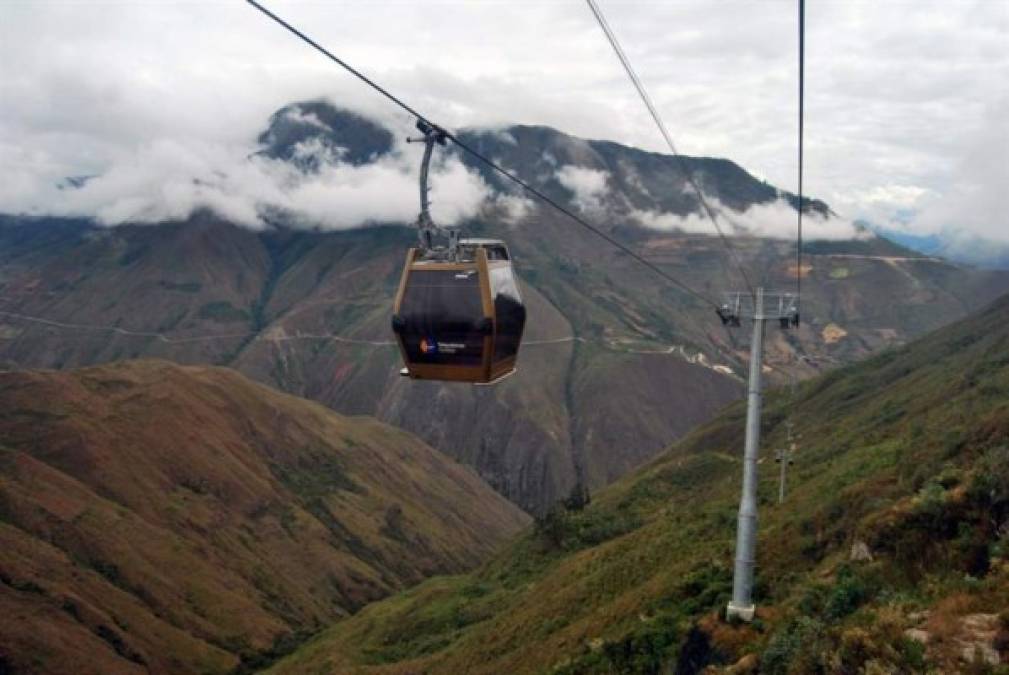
(617, 363)
(954, 246)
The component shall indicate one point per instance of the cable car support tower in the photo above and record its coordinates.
(782, 308)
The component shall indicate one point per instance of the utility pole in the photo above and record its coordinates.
(782, 458)
(780, 306)
(785, 457)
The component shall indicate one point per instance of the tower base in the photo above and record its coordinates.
(742, 612)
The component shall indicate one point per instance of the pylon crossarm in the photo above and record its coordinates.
(780, 306)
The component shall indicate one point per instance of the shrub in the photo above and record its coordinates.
(579, 498)
(797, 648)
(989, 486)
(563, 529)
(595, 527)
(814, 600)
(880, 647)
(706, 586)
(848, 594)
(646, 650)
(553, 528)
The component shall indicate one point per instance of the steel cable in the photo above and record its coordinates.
(490, 163)
(687, 174)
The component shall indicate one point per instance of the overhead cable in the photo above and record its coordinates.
(486, 160)
(802, 81)
(636, 81)
(261, 336)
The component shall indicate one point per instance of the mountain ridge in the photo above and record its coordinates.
(609, 336)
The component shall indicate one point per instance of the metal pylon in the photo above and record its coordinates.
(780, 307)
(785, 457)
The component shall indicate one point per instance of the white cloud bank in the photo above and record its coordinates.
(773, 220)
(973, 204)
(169, 179)
(587, 185)
(515, 207)
(894, 97)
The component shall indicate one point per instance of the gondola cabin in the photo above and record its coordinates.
(460, 319)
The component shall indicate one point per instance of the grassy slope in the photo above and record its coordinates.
(907, 453)
(181, 518)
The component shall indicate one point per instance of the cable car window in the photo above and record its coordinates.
(497, 253)
(509, 312)
(443, 319)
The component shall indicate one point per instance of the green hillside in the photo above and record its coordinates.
(890, 554)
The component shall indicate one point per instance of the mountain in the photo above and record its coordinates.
(168, 519)
(890, 553)
(927, 244)
(635, 180)
(303, 132)
(955, 245)
(617, 363)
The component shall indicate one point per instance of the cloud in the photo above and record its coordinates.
(299, 116)
(515, 207)
(588, 185)
(169, 179)
(892, 197)
(342, 196)
(967, 214)
(894, 98)
(974, 203)
(773, 220)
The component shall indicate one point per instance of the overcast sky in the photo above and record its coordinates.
(907, 102)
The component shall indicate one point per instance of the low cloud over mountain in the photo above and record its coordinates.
(322, 167)
(313, 182)
(893, 113)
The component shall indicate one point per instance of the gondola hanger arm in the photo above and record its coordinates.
(427, 229)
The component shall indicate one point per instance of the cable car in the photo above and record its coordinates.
(458, 314)
(460, 319)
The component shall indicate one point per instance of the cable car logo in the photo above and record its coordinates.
(428, 346)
